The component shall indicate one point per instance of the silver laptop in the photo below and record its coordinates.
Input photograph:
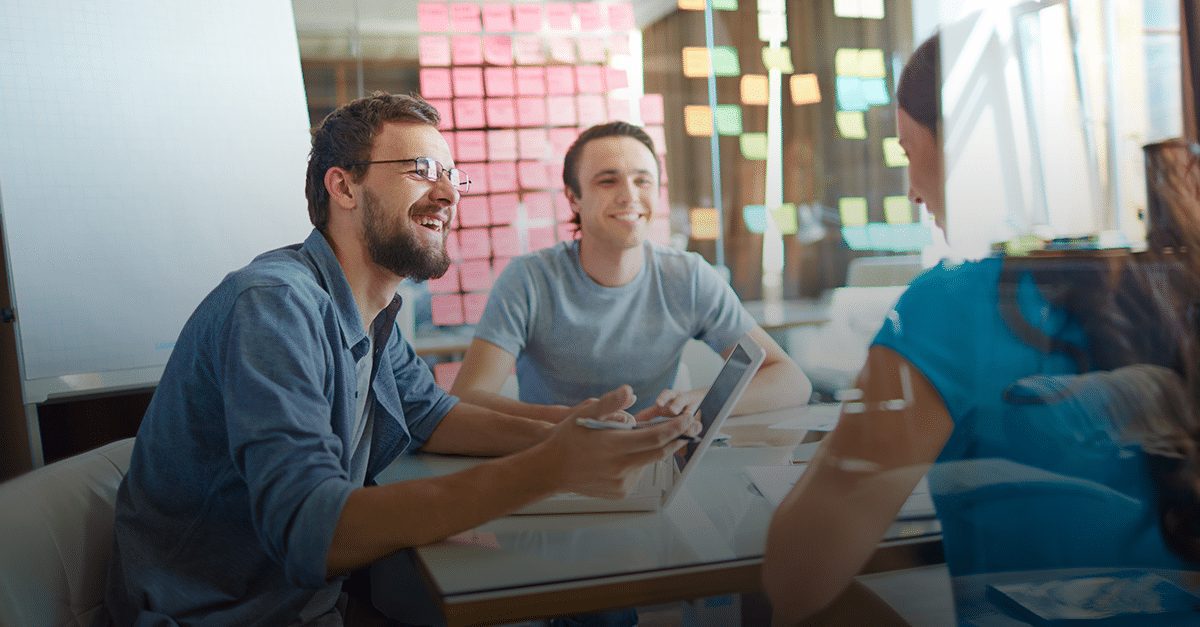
(662, 481)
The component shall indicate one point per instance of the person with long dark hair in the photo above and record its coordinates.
(1051, 399)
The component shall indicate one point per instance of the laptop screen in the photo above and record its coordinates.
(716, 398)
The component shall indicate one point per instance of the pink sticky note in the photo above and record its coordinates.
(502, 176)
(464, 17)
(558, 15)
(504, 208)
(662, 167)
(531, 81)
(470, 145)
(592, 50)
(562, 208)
(502, 145)
(589, 16)
(452, 245)
(476, 275)
(499, 264)
(505, 242)
(433, 50)
(590, 79)
(445, 112)
(532, 175)
(445, 373)
(473, 211)
(435, 83)
(501, 112)
(433, 17)
(498, 49)
(531, 111)
(527, 17)
(619, 109)
(539, 207)
(565, 232)
(560, 111)
(554, 171)
(660, 231)
(448, 284)
(477, 172)
(468, 113)
(468, 81)
(541, 237)
(497, 18)
(499, 81)
(618, 44)
(447, 309)
(658, 137)
(560, 140)
(652, 109)
(533, 143)
(615, 78)
(473, 306)
(591, 110)
(474, 244)
(560, 80)
(562, 49)
(620, 16)
(527, 50)
(466, 49)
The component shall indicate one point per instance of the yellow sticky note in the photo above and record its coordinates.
(691, 5)
(697, 120)
(893, 154)
(695, 62)
(772, 26)
(704, 223)
(754, 146)
(853, 211)
(871, 63)
(852, 124)
(841, 8)
(897, 210)
(778, 59)
(754, 89)
(871, 9)
(785, 218)
(805, 89)
(845, 62)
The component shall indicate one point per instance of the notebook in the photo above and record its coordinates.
(662, 481)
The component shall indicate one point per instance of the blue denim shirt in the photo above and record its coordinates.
(241, 466)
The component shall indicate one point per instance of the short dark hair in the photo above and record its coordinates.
(918, 91)
(570, 172)
(347, 135)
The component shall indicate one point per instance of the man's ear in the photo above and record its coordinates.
(341, 193)
(572, 199)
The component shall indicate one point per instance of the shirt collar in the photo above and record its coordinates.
(345, 307)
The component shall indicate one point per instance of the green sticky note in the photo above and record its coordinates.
(897, 210)
(785, 218)
(852, 124)
(778, 59)
(845, 62)
(853, 210)
(729, 119)
(893, 154)
(725, 61)
(725, 5)
(871, 63)
(754, 146)
(756, 218)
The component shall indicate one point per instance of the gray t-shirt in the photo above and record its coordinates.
(574, 338)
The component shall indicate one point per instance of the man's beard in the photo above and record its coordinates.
(397, 248)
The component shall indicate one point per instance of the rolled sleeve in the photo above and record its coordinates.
(424, 403)
(276, 373)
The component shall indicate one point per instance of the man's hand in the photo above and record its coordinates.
(608, 462)
(673, 403)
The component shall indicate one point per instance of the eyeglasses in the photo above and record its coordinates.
(429, 169)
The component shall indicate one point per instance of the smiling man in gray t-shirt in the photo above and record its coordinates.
(611, 307)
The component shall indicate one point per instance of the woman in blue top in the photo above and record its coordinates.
(1052, 402)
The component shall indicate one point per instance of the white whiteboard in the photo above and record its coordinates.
(149, 147)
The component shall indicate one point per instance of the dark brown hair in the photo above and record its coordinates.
(918, 91)
(570, 172)
(347, 135)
